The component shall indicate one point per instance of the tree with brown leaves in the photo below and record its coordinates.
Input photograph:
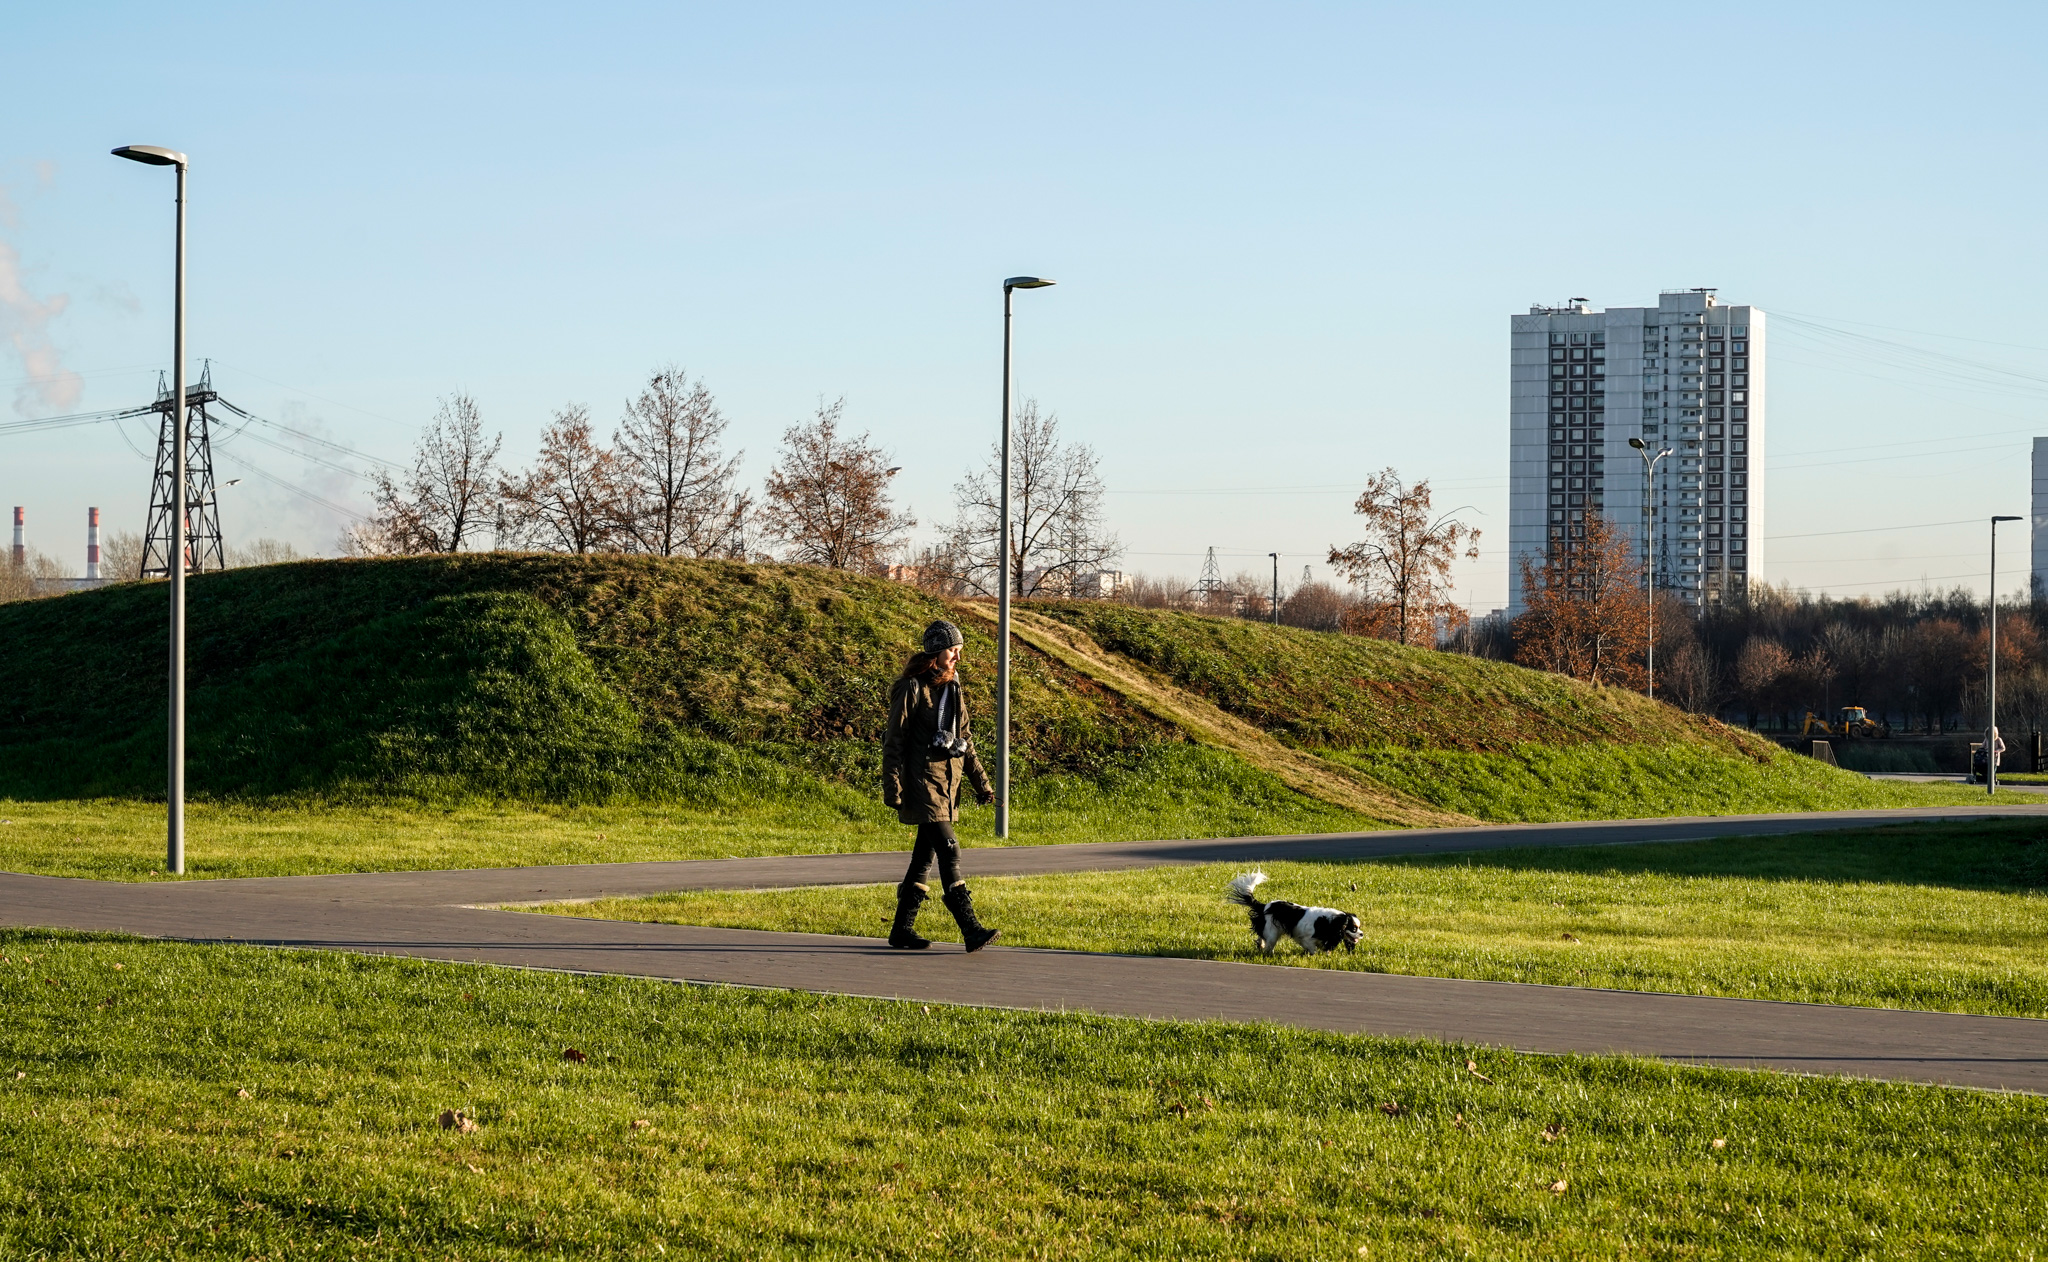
(827, 499)
(574, 497)
(1587, 613)
(680, 497)
(1404, 562)
(446, 499)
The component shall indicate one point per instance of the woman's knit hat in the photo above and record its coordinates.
(940, 636)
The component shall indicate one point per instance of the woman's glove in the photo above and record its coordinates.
(985, 796)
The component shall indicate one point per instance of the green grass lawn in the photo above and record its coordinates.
(1952, 917)
(167, 1101)
(1175, 791)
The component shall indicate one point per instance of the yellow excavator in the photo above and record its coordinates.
(1850, 720)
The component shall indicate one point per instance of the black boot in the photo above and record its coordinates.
(909, 897)
(961, 904)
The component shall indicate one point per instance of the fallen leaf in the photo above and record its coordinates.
(1569, 938)
(473, 1169)
(242, 1094)
(570, 1053)
(120, 966)
(1207, 1103)
(1472, 1067)
(1392, 1109)
(458, 1121)
(927, 1009)
(1720, 1143)
(19, 1074)
(1354, 889)
(642, 1124)
(1558, 1188)
(1553, 1132)
(1459, 1122)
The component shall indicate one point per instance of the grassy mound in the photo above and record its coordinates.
(1348, 692)
(548, 678)
(591, 680)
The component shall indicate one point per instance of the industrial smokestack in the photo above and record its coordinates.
(92, 543)
(20, 555)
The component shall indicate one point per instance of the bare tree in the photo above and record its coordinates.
(263, 551)
(572, 500)
(1316, 606)
(1404, 563)
(827, 499)
(680, 493)
(1057, 535)
(121, 556)
(445, 499)
(1758, 669)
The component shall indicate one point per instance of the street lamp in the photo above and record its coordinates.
(1991, 732)
(1650, 530)
(1276, 587)
(1003, 565)
(174, 832)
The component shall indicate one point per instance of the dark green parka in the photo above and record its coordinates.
(921, 782)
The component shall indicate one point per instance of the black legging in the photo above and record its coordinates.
(935, 841)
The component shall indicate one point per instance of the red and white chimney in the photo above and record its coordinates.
(92, 543)
(20, 555)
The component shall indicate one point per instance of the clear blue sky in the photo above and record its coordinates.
(1288, 239)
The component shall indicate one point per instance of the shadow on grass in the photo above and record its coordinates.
(2003, 855)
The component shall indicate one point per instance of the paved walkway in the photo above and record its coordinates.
(440, 915)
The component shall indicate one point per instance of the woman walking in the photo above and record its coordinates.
(927, 750)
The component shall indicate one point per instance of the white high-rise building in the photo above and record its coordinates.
(1687, 374)
(2038, 580)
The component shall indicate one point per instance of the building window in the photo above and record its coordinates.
(1557, 339)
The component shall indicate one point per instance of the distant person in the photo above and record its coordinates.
(1983, 759)
(924, 756)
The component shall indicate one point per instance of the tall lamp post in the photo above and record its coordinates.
(1003, 563)
(1276, 587)
(1650, 531)
(1991, 731)
(174, 832)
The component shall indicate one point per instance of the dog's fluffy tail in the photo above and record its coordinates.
(1241, 889)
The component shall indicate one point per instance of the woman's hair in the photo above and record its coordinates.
(925, 666)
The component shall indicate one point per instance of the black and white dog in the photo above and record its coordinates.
(1315, 928)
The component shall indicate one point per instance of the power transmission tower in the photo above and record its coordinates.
(1306, 577)
(1212, 577)
(202, 511)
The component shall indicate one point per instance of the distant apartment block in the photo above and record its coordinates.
(1687, 374)
(2039, 582)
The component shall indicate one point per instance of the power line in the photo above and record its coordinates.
(1871, 530)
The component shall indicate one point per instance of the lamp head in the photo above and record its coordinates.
(154, 155)
(1998, 519)
(1636, 443)
(1027, 282)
